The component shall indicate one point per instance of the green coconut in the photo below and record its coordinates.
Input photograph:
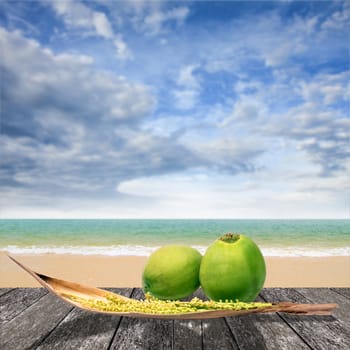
(232, 268)
(172, 272)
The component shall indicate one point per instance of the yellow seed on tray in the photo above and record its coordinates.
(152, 305)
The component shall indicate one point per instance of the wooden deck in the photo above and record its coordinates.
(32, 318)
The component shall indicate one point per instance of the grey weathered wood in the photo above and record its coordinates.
(26, 330)
(215, 332)
(5, 290)
(343, 291)
(13, 303)
(320, 332)
(45, 322)
(81, 329)
(217, 335)
(267, 331)
(326, 295)
(188, 333)
(143, 333)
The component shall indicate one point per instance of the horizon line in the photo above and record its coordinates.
(174, 218)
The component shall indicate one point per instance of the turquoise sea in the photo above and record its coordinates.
(141, 237)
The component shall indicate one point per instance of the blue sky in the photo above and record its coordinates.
(146, 109)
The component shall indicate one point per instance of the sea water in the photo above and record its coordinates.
(141, 237)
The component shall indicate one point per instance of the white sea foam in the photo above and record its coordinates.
(305, 251)
(139, 250)
(83, 250)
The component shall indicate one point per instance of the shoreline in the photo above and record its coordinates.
(126, 271)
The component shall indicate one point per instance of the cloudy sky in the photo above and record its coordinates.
(140, 109)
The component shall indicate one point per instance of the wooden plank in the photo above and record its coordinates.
(13, 303)
(26, 330)
(343, 291)
(326, 295)
(188, 333)
(5, 290)
(143, 333)
(267, 331)
(81, 329)
(319, 332)
(217, 335)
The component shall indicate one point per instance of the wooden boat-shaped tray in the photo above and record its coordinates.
(73, 293)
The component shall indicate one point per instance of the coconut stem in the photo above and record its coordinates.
(230, 237)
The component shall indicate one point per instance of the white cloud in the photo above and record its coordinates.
(39, 69)
(70, 113)
(188, 195)
(77, 15)
(147, 17)
(187, 78)
(187, 95)
(214, 195)
(277, 43)
(274, 130)
(102, 25)
(185, 98)
(80, 140)
(339, 19)
(310, 113)
(326, 88)
(123, 52)
(248, 109)
(263, 40)
(156, 19)
(74, 13)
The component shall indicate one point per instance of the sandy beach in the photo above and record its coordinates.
(126, 271)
